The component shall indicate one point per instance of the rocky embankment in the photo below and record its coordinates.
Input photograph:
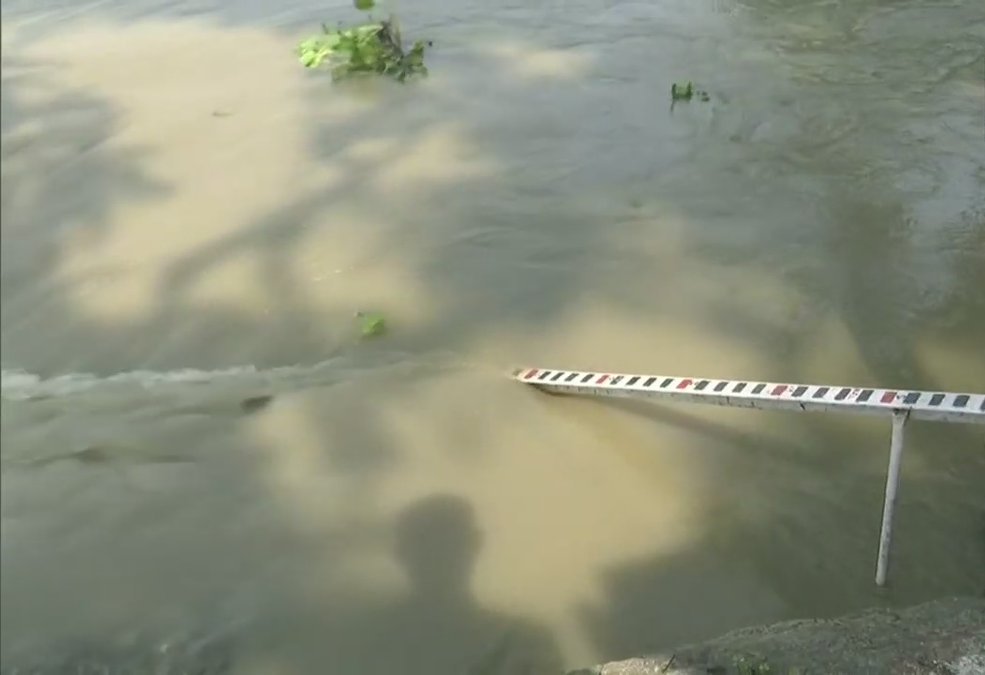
(943, 637)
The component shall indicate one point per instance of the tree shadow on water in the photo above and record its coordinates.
(62, 181)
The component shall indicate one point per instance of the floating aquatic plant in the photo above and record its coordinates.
(686, 91)
(374, 47)
(371, 324)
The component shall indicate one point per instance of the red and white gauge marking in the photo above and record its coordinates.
(941, 406)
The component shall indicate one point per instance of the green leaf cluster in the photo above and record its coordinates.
(686, 91)
(371, 324)
(369, 48)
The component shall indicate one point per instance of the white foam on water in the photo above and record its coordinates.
(20, 385)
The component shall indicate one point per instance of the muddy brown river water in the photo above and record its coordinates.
(190, 221)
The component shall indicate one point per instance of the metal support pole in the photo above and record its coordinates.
(892, 484)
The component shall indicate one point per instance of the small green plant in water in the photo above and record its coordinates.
(371, 324)
(686, 91)
(374, 47)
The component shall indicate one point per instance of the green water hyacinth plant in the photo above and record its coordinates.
(686, 91)
(373, 47)
(371, 324)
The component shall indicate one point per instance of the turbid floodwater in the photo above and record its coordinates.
(199, 450)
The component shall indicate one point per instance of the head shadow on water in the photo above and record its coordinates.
(437, 545)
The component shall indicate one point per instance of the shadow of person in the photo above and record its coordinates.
(437, 545)
(438, 628)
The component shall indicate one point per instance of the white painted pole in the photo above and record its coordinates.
(889, 505)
